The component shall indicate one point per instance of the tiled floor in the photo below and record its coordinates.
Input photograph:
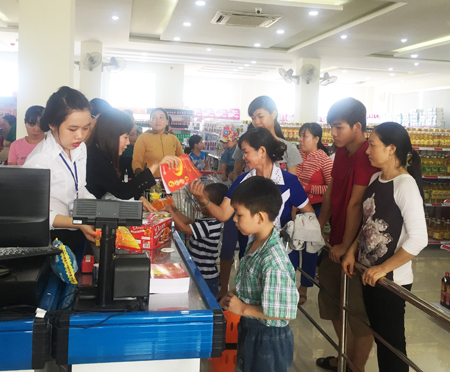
(427, 342)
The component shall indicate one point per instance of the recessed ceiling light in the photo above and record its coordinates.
(313, 13)
(208, 49)
(414, 55)
(257, 45)
(343, 37)
(253, 62)
(200, 3)
(344, 71)
(390, 68)
(404, 40)
(187, 24)
(240, 68)
(176, 38)
(115, 18)
(392, 74)
(416, 64)
(246, 65)
(280, 32)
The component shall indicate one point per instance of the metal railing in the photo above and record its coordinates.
(409, 297)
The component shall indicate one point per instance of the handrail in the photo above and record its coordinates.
(415, 301)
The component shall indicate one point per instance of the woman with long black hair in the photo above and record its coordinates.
(393, 232)
(109, 140)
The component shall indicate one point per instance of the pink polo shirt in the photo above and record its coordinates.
(19, 151)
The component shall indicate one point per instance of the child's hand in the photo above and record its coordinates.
(197, 189)
(232, 303)
(167, 207)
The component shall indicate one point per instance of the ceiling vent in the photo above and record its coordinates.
(226, 18)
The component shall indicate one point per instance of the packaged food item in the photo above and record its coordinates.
(158, 204)
(155, 232)
(64, 265)
(124, 239)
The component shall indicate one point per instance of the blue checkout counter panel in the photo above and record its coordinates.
(175, 326)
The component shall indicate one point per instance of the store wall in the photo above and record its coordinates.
(169, 81)
(210, 92)
(416, 92)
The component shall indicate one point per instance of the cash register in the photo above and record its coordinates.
(24, 234)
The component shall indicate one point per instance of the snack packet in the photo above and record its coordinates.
(64, 265)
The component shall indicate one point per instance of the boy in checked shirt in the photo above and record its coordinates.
(265, 296)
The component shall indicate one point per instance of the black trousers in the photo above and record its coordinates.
(386, 312)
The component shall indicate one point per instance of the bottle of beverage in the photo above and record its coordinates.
(430, 228)
(437, 233)
(445, 282)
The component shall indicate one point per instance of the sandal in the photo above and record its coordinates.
(325, 363)
(302, 299)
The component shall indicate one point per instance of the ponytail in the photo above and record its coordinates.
(414, 168)
(277, 129)
(322, 147)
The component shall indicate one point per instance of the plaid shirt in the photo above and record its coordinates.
(266, 278)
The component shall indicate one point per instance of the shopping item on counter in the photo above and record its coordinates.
(124, 239)
(175, 179)
(158, 204)
(168, 278)
(64, 265)
(155, 232)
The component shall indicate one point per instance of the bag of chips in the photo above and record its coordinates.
(64, 265)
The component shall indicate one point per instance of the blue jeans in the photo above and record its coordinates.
(213, 285)
(262, 348)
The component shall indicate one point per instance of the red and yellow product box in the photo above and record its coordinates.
(153, 233)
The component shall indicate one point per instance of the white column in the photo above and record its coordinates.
(90, 81)
(306, 95)
(46, 48)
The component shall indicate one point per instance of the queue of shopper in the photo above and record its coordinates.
(372, 196)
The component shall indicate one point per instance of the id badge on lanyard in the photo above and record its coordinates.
(75, 180)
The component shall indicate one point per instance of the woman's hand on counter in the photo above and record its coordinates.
(146, 205)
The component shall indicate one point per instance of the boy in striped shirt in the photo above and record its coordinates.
(205, 235)
(265, 296)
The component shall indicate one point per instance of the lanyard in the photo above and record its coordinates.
(75, 177)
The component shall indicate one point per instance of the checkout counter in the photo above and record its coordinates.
(171, 334)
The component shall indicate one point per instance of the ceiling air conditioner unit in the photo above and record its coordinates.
(227, 18)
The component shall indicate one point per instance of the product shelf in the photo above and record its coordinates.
(437, 177)
(437, 205)
(431, 148)
(441, 242)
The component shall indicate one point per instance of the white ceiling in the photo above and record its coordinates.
(146, 29)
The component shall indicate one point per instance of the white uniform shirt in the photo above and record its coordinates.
(62, 185)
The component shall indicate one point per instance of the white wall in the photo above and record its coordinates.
(169, 82)
(205, 92)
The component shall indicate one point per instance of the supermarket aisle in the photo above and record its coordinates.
(426, 341)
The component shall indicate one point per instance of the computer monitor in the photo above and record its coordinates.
(24, 207)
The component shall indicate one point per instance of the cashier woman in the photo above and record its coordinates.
(66, 118)
(108, 141)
